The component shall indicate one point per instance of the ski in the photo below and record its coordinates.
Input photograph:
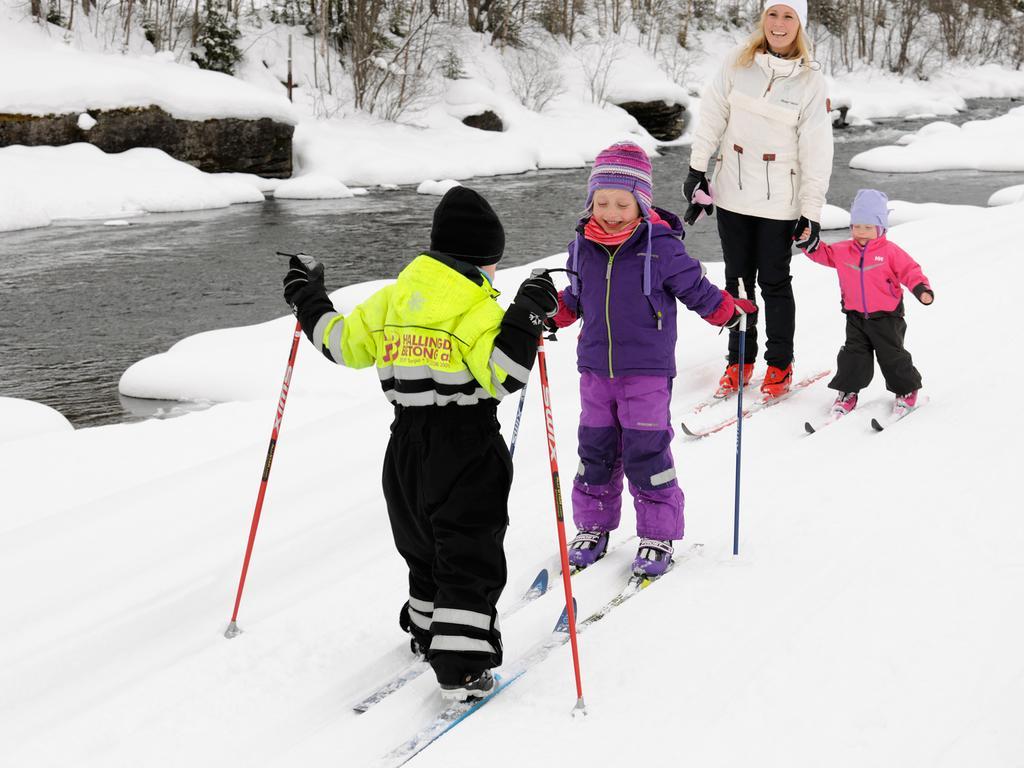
(880, 425)
(454, 714)
(410, 672)
(816, 426)
(419, 665)
(634, 585)
(757, 405)
(710, 402)
(573, 570)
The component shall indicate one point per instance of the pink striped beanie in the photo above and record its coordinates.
(623, 165)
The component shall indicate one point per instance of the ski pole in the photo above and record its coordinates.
(562, 546)
(519, 415)
(739, 425)
(233, 629)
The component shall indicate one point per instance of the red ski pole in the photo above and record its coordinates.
(562, 548)
(233, 629)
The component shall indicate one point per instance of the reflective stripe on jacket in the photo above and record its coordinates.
(870, 277)
(436, 336)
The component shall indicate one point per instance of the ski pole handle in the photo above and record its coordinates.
(309, 262)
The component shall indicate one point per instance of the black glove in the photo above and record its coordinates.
(538, 296)
(305, 278)
(813, 241)
(695, 180)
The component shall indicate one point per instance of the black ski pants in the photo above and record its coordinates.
(447, 475)
(867, 338)
(759, 250)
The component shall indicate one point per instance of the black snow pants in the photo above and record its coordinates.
(447, 475)
(867, 338)
(757, 249)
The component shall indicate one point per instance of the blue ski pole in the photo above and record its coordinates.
(519, 415)
(739, 426)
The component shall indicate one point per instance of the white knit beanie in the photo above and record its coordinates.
(799, 8)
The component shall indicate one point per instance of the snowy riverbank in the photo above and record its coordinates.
(41, 185)
(869, 617)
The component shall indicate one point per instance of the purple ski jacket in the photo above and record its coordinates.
(626, 296)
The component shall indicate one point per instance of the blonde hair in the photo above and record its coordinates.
(758, 43)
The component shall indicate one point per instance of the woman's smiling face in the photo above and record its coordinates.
(781, 26)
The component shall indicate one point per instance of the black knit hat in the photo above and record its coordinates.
(466, 227)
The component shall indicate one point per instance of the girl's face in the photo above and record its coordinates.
(615, 209)
(863, 233)
(781, 26)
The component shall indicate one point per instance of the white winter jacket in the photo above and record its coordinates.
(768, 127)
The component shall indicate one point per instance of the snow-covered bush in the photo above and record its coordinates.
(597, 58)
(215, 44)
(451, 66)
(534, 76)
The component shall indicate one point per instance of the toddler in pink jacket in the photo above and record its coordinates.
(871, 272)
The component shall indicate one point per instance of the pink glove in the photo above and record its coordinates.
(728, 313)
(563, 316)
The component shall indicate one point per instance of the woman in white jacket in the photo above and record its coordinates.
(765, 119)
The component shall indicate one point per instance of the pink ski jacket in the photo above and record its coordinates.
(870, 277)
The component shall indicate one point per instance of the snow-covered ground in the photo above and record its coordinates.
(1007, 195)
(981, 145)
(24, 418)
(876, 94)
(871, 619)
(44, 75)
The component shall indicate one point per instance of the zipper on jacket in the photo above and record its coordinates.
(656, 312)
(792, 186)
(778, 76)
(768, 158)
(739, 163)
(607, 304)
(771, 82)
(863, 292)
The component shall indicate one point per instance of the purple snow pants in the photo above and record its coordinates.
(625, 425)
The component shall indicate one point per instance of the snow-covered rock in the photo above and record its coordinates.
(430, 187)
(25, 418)
(312, 187)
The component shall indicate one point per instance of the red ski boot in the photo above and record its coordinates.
(729, 384)
(777, 381)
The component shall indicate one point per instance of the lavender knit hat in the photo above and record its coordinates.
(870, 207)
(623, 165)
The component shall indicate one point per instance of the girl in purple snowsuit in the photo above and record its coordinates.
(628, 266)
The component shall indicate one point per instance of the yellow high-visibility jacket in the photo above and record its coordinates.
(436, 336)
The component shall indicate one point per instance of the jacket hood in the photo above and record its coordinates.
(670, 224)
(434, 288)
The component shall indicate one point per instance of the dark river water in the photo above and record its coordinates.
(81, 301)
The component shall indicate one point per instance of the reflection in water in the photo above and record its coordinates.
(81, 302)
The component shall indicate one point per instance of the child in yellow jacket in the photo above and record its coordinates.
(445, 354)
